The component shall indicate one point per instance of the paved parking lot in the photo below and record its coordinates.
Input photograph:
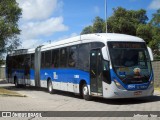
(40, 100)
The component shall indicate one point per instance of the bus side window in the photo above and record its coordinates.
(32, 61)
(73, 56)
(55, 58)
(63, 57)
(106, 72)
(42, 60)
(83, 58)
(48, 59)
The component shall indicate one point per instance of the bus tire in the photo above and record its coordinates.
(85, 92)
(50, 87)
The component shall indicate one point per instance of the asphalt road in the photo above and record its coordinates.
(38, 99)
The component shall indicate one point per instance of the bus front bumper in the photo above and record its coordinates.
(113, 92)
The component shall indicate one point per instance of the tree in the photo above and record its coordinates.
(145, 31)
(98, 26)
(9, 16)
(122, 21)
(156, 19)
(126, 21)
(87, 30)
(132, 22)
(155, 42)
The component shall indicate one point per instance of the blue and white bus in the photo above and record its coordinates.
(103, 65)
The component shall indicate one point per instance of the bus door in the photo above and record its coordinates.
(96, 72)
(37, 66)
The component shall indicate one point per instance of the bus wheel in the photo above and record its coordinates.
(50, 87)
(85, 92)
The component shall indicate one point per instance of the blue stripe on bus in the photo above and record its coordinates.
(63, 75)
(74, 76)
(32, 72)
(19, 73)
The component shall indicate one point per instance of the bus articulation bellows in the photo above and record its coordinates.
(103, 65)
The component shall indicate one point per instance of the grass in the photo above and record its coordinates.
(157, 88)
(5, 92)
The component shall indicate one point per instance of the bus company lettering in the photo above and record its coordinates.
(76, 76)
(131, 86)
(55, 76)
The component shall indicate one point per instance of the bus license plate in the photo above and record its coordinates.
(137, 93)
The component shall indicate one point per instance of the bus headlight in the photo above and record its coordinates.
(119, 86)
(151, 83)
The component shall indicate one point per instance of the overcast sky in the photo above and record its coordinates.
(50, 20)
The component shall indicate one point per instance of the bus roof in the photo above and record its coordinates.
(97, 37)
(86, 38)
(31, 50)
(21, 52)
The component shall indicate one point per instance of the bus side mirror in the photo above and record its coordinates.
(104, 54)
(150, 53)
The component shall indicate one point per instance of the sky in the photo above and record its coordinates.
(45, 21)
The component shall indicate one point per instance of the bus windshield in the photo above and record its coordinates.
(130, 61)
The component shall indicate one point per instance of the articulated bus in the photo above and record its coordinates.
(104, 65)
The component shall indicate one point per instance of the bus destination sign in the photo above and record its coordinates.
(126, 45)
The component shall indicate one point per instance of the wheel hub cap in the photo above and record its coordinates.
(85, 90)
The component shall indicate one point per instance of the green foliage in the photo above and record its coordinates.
(155, 41)
(145, 31)
(98, 24)
(126, 21)
(122, 21)
(9, 16)
(133, 23)
(87, 30)
(155, 45)
(156, 19)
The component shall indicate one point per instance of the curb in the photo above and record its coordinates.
(12, 95)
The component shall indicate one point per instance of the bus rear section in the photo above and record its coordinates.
(20, 67)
